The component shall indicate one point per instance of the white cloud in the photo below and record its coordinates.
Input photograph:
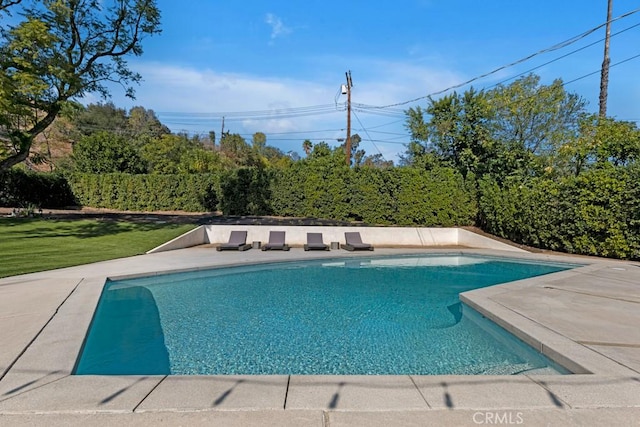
(277, 26)
(185, 89)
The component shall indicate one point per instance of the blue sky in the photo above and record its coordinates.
(268, 58)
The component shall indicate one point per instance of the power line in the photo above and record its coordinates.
(387, 124)
(561, 57)
(386, 133)
(369, 136)
(540, 52)
(371, 109)
(368, 109)
(257, 115)
(596, 72)
(386, 110)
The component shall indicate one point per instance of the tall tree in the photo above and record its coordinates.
(457, 133)
(64, 49)
(307, 146)
(602, 141)
(101, 117)
(356, 155)
(164, 155)
(143, 124)
(105, 152)
(534, 117)
(212, 138)
(377, 161)
(419, 149)
(235, 148)
(532, 121)
(259, 142)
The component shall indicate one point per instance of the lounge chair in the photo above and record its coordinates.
(314, 242)
(276, 241)
(354, 242)
(237, 242)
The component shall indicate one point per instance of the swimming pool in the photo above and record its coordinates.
(381, 315)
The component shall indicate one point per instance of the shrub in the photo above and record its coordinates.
(194, 193)
(246, 191)
(595, 213)
(403, 196)
(20, 188)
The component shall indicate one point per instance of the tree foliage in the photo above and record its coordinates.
(105, 152)
(533, 117)
(164, 155)
(457, 131)
(6, 4)
(64, 49)
(138, 124)
(101, 118)
(514, 129)
(323, 186)
(143, 124)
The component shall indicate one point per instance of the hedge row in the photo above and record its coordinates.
(22, 189)
(595, 213)
(401, 196)
(192, 193)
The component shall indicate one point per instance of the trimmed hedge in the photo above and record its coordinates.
(400, 196)
(595, 213)
(191, 193)
(245, 191)
(19, 189)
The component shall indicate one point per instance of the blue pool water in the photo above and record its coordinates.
(399, 315)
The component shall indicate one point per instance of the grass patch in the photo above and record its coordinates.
(28, 245)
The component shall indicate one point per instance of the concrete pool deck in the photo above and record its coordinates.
(587, 318)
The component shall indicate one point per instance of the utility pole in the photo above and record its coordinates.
(604, 76)
(347, 148)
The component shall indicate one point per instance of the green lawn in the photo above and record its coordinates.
(28, 245)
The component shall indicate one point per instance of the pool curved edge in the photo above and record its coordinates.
(37, 377)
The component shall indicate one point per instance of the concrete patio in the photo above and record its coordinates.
(587, 319)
